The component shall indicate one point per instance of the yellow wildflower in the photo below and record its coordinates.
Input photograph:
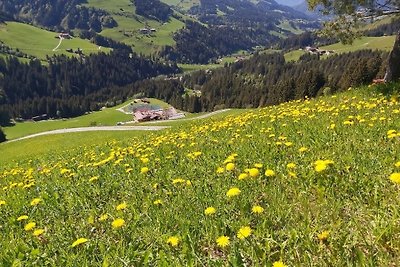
(230, 166)
(220, 170)
(117, 223)
(2, 202)
(223, 241)
(144, 170)
(121, 206)
(158, 202)
(233, 192)
(94, 178)
(23, 217)
(258, 165)
(279, 264)
(291, 165)
(209, 211)
(30, 226)
(323, 236)
(269, 173)
(244, 232)
(103, 217)
(243, 176)
(79, 241)
(173, 241)
(35, 201)
(257, 209)
(303, 149)
(254, 172)
(38, 232)
(397, 164)
(395, 177)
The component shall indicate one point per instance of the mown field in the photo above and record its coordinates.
(306, 183)
(384, 43)
(39, 42)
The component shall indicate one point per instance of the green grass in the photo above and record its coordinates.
(129, 25)
(39, 43)
(305, 183)
(106, 117)
(384, 43)
(59, 143)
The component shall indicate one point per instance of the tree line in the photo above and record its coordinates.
(69, 87)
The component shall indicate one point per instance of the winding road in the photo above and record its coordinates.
(115, 128)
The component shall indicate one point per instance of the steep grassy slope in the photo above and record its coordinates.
(307, 183)
(39, 43)
(129, 24)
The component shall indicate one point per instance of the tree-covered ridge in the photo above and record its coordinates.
(58, 14)
(70, 86)
(153, 9)
(200, 44)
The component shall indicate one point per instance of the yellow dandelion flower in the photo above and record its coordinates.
(29, 226)
(323, 236)
(233, 192)
(144, 170)
(303, 149)
(158, 202)
(254, 172)
(223, 241)
(397, 164)
(35, 201)
(79, 241)
(269, 173)
(320, 167)
(103, 217)
(209, 211)
(121, 206)
(23, 217)
(230, 166)
(257, 209)
(38, 232)
(173, 241)
(244, 232)
(178, 181)
(2, 202)
(188, 183)
(291, 165)
(395, 177)
(94, 178)
(279, 264)
(243, 176)
(258, 165)
(117, 223)
(220, 170)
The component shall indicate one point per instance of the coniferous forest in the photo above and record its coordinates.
(69, 87)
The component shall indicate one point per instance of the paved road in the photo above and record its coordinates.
(116, 128)
(91, 129)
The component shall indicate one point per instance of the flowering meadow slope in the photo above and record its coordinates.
(306, 183)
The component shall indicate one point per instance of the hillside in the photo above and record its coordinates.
(40, 43)
(168, 29)
(311, 182)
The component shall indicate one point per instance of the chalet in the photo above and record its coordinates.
(64, 36)
(147, 114)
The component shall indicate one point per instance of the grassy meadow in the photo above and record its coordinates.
(39, 42)
(384, 43)
(306, 183)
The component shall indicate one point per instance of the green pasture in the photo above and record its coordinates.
(384, 43)
(39, 42)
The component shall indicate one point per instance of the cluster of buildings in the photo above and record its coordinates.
(146, 114)
(317, 51)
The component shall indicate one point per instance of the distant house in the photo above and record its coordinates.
(146, 114)
(317, 51)
(40, 117)
(64, 36)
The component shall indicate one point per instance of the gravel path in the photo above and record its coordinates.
(91, 129)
